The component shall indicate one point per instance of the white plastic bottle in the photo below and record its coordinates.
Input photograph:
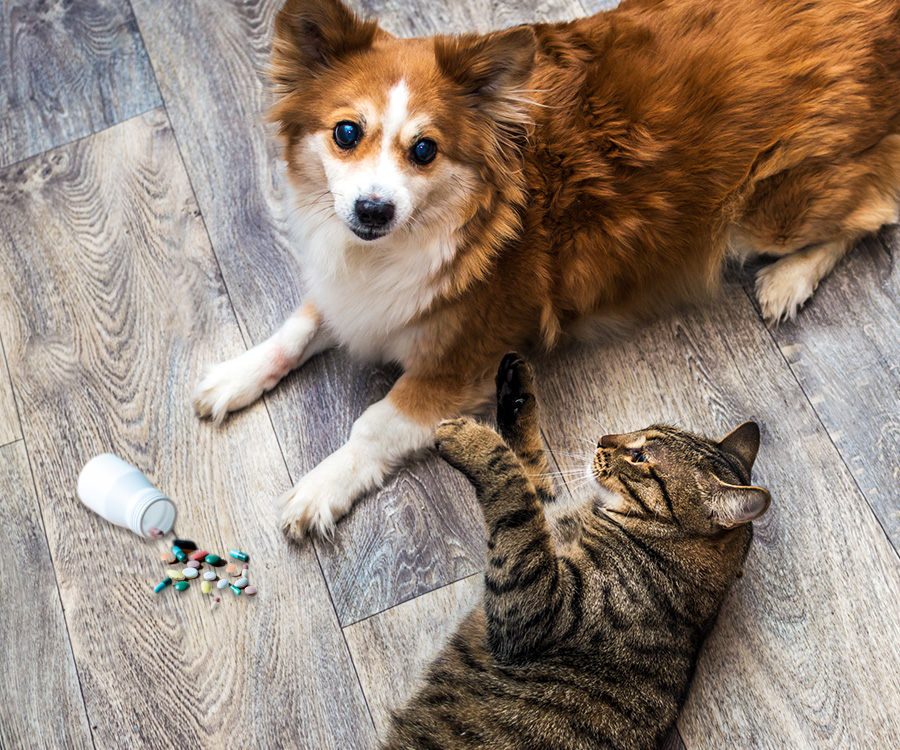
(122, 495)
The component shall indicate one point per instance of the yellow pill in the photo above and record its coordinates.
(175, 575)
(206, 587)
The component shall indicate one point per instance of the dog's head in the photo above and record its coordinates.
(394, 133)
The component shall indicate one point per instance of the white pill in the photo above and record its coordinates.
(222, 584)
(189, 572)
(209, 576)
(241, 582)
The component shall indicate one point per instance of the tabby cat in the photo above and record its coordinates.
(593, 615)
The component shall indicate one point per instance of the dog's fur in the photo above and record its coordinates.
(595, 170)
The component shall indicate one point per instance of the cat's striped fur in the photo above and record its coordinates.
(591, 625)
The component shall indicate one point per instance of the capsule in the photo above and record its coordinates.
(235, 589)
(182, 586)
(155, 533)
(162, 584)
(206, 587)
(179, 554)
(214, 560)
(238, 555)
(175, 575)
(185, 544)
(215, 602)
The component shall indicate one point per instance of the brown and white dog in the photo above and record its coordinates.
(459, 197)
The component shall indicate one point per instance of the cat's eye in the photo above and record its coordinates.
(347, 134)
(423, 151)
(636, 455)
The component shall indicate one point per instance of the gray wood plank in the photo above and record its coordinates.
(407, 539)
(42, 704)
(844, 349)
(392, 649)
(9, 420)
(68, 68)
(116, 304)
(807, 647)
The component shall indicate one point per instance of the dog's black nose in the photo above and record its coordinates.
(374, 213)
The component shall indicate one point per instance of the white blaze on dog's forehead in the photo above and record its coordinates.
(396, 113)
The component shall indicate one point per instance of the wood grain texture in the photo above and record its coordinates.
(9, 421)
(115, 306)
(68, 68)
(843, 349)
(415, 534)
(807, 647)
(392, 649)
(42, 704)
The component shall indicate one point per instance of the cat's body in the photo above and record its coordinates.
(591, 625)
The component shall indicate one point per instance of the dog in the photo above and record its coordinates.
(458, 197)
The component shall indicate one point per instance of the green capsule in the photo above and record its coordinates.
(214, 560)
(238, 555)
(235, 589)
(182, 586)
(160, 586)
(179, 554)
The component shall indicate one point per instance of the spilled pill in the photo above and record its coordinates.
(231, 570)
(241, 582)
(238, 555)
(155, 533)
(209, 576)
(235, 589)
(162, 584)
(206, 587)
(168, 557)
(193, 564)
(182, 585)
(199, 555)
(179, 554)
(250, 590)
(185, 544)
(215, 603)
(190, 573)
(214, 560)
(175, 575)
(222, 584)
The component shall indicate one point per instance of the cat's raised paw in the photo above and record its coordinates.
(515, 389)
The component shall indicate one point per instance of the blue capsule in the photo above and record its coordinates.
(238, 555)
(160, 586)
(179, 554)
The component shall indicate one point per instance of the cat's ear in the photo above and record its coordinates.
(731, 505)
(743, 443)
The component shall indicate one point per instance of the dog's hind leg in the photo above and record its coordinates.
(238, 382)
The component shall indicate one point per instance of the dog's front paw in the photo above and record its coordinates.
(232, 385)
(315, 503)
(515, 390)
(783, 287)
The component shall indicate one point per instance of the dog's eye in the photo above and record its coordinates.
(423, 151)
(637, 456)
(346, 134)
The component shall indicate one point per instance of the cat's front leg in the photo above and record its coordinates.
(238, 382)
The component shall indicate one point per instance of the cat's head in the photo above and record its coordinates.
(676, 479)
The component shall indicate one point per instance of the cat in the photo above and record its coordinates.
(593, 615)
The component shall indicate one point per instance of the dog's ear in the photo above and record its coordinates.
(488, 67)
(311, 35)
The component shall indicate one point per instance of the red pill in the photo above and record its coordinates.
(198, 555)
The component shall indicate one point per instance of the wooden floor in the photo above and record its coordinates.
(141, 238)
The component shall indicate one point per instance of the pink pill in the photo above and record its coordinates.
(193, 564)
(198, 555)
(250, 590)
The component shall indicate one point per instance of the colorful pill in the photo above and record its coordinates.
(214, 560)
(215, 602)
(222, 584)
(162, 584)
(241, 582)
(190, 572)
(182, 585)
(209, 576)
(206, 587)
(238, 555)
(231, 570)
(174, 575)
(167, 557)
(250, 591)
(155, 533)
(246, 571)
(235, 589)
(185, 544)
(193, 564)
(199, 555)
(179, 554)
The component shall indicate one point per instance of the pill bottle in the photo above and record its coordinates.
(122, 495)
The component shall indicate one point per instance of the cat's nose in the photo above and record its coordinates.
(609, 441)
